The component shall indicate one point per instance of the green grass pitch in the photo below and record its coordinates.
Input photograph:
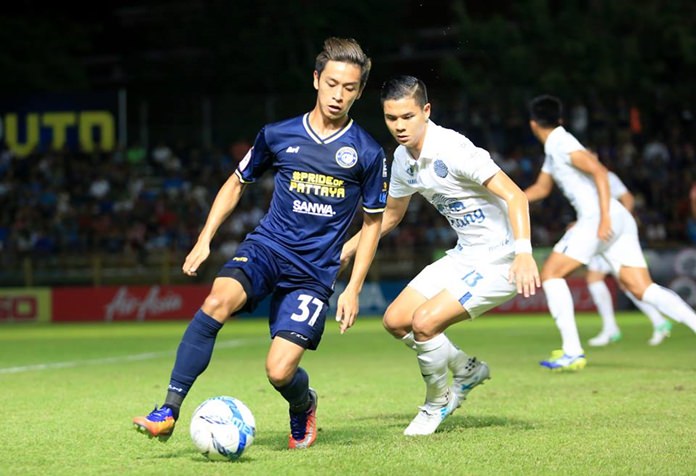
(68, 393)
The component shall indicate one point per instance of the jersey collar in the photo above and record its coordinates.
(326, 140)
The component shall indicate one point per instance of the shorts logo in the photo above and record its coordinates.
(440, 168)
(243, 259)
(346, 157)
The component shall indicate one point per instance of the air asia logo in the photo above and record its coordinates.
(346, 157)
(317, 209)
(125, 305)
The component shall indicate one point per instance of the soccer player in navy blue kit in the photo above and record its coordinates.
(325, 165)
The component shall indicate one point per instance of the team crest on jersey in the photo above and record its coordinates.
(346, 157)
(440, 168)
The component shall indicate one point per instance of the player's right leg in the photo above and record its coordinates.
(601, 296)
(193, 355)
(561, 307)
(626, 256)
(662, 328)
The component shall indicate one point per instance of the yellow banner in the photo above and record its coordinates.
(25, 305)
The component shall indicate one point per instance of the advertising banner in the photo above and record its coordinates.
(25, 305)
(79, 121)
(127, 303)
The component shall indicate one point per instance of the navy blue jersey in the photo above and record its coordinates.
(319, 185)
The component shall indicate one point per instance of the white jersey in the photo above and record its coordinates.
(616, 187)
(449, 174)
(578, 187)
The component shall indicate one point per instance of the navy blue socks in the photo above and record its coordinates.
(297, 391)
(192, 358)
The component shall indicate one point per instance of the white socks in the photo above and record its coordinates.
(561, 307)
(433, 356)
(409, 341)
(670, 304)
(647, 309)
(605, 306)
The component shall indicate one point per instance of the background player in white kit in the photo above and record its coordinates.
(597, 270)
(491, 262)
(603, 226)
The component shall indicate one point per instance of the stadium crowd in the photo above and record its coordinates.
(139, 199)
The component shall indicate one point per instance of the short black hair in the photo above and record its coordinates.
(546, 110)
(403, 86)
(344, 50)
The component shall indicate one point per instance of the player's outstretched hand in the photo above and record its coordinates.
(198, 254)
(347, 310)
(524, 272)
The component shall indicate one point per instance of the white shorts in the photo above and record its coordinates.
(598, 264)
(478, 287)
(581, 243)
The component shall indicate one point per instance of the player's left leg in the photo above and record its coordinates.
(561, 307)
(292, 382)
(640, 284)
(662, 328)
(297, 323)
(433, 349)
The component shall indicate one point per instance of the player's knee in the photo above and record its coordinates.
(423, 325)
(394, 323)
(278, 375)
(637, 289)
(217, 306)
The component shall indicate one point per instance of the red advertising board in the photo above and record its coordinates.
(127, 303)
(578, 288)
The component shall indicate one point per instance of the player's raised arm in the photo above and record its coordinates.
(524, 271)
(540, 189)
(225, 202)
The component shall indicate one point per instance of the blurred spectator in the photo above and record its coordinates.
(136, 202)
(691, 220)
(656, 152)
(579, 120)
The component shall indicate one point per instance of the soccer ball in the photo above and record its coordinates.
(222, 428)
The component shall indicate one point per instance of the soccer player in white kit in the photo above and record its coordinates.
(597, 270)
(603, 226)
(491, 262)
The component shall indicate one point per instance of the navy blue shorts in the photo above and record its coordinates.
(299, 303)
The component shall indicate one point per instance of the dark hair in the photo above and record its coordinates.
(404, 86)
(344, 50)
(546, 110)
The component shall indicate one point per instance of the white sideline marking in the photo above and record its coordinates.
(105, 360)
